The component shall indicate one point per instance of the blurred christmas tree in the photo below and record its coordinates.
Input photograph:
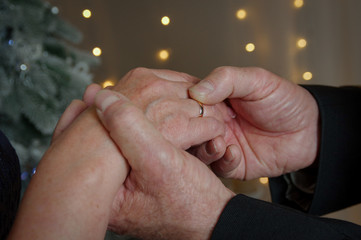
(40, 73)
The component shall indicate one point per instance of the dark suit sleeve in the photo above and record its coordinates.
(10, 185)
(339, 159)
(247, 218)
(336, 187)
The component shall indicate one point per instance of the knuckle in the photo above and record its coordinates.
(261, 73)
(187, 77)
(156, 109)
(138, 71)
(157, 84)
(151, 87)
(76, 102)
(224, 71)
(121, 115)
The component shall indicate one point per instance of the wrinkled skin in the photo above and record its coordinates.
(168, 194)
(163, 96)
(276, 128)
(72, 192)
(271, 125)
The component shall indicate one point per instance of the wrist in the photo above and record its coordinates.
(73, 189)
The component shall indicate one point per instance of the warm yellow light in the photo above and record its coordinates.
(263, 180)
(165, 20)
(108, 83)
(87, 13)
(163, 55)
(97, 51)
(250, 47)
(307, 76)
(298, 3)
(241, 14)
(302, 43)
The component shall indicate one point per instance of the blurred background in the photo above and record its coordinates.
(307, 42)
(304, 41)
(287, 37)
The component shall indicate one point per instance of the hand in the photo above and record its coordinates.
(72, 192)
(276, 127)
(168, 194)
(163, 97)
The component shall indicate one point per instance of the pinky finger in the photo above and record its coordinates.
(75, 108)
(210, 151)
(229, 166)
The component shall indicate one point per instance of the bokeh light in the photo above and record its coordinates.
(307, 76)
(165, 20)
(97, 51)
(302, 43)
(108, 83)
(87, 13)
(241, 14)
(250, 47)
(298, 3)
(163, 55)
(263, 180)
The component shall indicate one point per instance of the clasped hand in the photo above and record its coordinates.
(255, 124)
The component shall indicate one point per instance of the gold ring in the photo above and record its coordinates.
(201, 109)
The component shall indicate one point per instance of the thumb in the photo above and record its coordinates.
(140, 143)
(232, 82)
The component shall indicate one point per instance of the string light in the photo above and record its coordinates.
(307, 76)
(302, 43)
(97, 51)
(163, 55)
(23, 67)
(165, 20)
(108, 83)
(298, 3)
(241, 14)
(263, 180)
(87, 13)
(250, 47)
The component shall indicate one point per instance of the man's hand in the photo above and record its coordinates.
(168, 194)
(275, 130)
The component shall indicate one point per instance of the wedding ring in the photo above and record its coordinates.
(201, 109)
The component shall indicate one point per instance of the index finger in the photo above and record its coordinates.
(175, 76)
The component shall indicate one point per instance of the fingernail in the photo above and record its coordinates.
(211, 148)
(202, 88)
(229, 155)
(104, 99)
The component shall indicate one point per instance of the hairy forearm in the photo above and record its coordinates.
(71, 194)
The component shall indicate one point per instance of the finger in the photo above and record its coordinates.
(75, 108)
(141, 144)
(184, 108)
(229, 166)
(210, 151)
(175, 76)
(90, 93)
(150, 87)
(232, 82)
(199, 130)
(179, 121)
